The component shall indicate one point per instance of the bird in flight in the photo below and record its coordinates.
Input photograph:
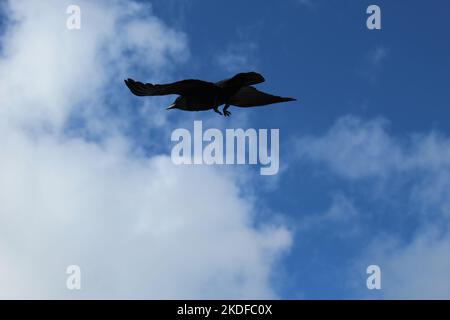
(199, 95)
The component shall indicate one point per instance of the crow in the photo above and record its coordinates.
(199, 95)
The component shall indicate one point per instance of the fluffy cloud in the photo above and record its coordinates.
(414, 265)
(139, 227)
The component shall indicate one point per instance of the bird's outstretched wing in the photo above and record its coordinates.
(184, 87)
(242, 79)
(251, 97)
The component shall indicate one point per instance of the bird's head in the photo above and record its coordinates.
(179, 103)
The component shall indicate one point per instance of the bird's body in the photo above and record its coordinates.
(199, 95)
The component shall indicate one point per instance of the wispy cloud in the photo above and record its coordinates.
(340, 220)
(354, 149)
(306, 3)
(378, 55)
(372, 63)
(239, 57)
(415, 176)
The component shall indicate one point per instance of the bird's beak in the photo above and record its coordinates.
(172, 106)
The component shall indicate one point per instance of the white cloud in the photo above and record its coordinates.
(138, 227)
(340, 220)
(354, 149)
(239, 57)
(417, 270)
(357, 150)
(51, 70)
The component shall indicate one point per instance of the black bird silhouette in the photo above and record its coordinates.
(199, 95)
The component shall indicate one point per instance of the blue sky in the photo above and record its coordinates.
(324, 55)
(364, 152)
